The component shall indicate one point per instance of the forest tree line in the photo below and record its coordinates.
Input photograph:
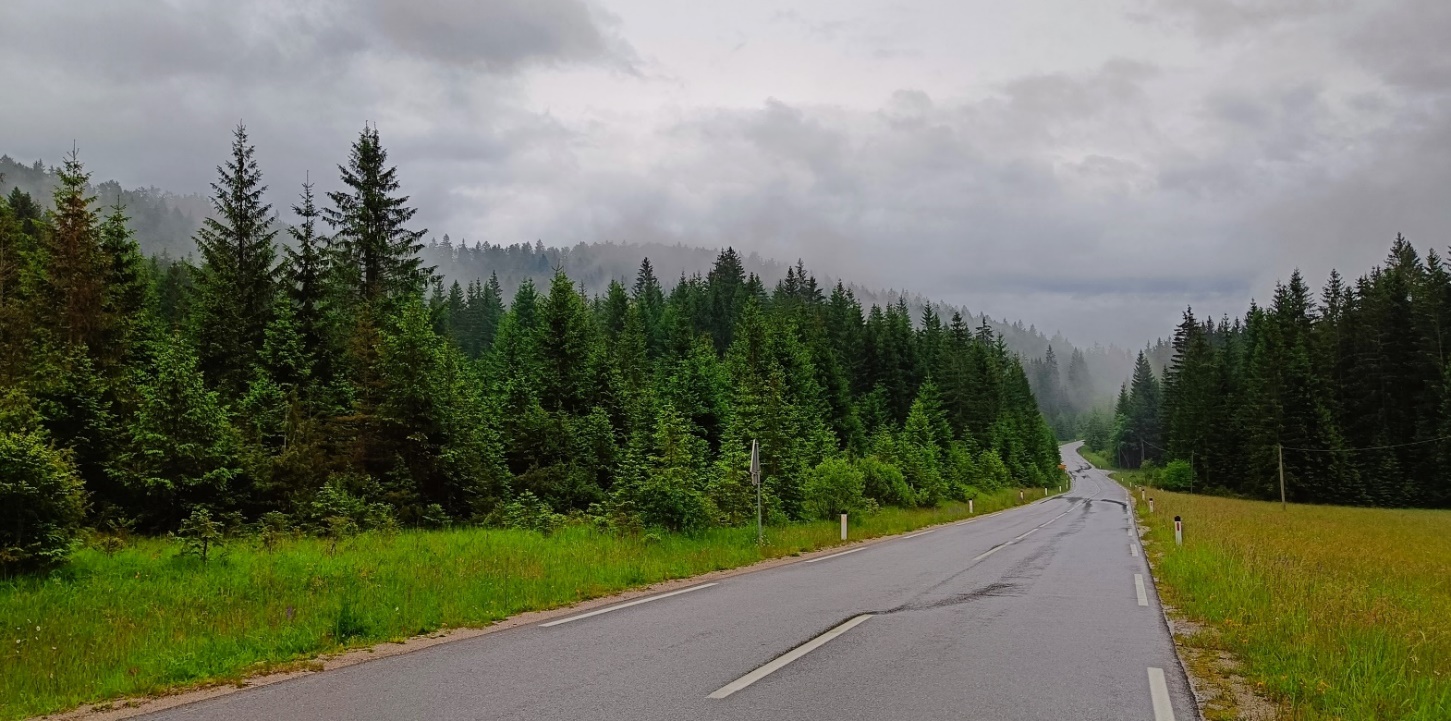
(1352, 387)
(165, 224)
(334, 382)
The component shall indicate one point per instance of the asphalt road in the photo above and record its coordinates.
(1032, 613)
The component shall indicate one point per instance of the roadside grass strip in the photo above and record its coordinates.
(1330, 612)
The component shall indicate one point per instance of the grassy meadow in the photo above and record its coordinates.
(146, 620)
(1331, 612)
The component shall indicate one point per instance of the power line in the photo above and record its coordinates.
(1368, 448)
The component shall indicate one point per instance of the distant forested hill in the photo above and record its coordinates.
(164, 222)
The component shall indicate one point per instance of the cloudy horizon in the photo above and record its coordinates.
(1088, 170)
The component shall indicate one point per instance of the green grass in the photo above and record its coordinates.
(1096, 458)
(147, 621)
(1334, 613)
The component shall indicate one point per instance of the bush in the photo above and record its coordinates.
(667, 500)
(961, 471)
(1177, 476)
(343, 506)
(885, 483)
(835, 486)
(199, 532)
(991, 471)
(41, 503)
(527, 512)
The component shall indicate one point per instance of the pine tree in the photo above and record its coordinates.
(21, 275)
(650, 298)
(305, 274)
(128, 287)
(75, 264)
(182, 449)
(379, 253)
(236, 283)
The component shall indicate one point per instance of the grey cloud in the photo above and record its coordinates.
(1408, 43)
(1219, 20)
(1058, 94)
(501, 34)
(138, 40)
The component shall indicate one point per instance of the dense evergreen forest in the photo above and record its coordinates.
(165, 223)
(1352, 385)
(334, 382)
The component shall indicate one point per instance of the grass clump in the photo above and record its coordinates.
(143, 618)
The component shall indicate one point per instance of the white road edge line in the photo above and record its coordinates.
(790, 656)
(903, 538)
(1133, 550)
(1159, 692)
(628, 604)
(836, 555)
(1139, 589)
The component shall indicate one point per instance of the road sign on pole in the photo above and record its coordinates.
(756, 480)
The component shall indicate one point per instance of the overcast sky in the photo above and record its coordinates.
(1089, 167)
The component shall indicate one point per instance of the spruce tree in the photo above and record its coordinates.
(237, 279)
(306, 275)
(75, 263)
(182, 449)
(128, 289)
(369, 221)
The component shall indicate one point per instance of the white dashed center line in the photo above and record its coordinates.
(782, 661)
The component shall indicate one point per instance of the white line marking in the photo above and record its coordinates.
(993, 550)
(903, 538)
(792, 655)
(1025, 535)
(1159, 692)
(1139, 588)
(635, 602)
(835, 555)
(1133, 550)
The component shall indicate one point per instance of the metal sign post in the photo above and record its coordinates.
(756, 480)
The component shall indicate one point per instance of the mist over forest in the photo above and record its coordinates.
(165, 223)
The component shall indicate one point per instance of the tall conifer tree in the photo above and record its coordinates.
(237, 279)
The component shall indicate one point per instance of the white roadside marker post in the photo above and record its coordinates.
(756, 480)
(1178, 531)
(969, 507)
(843, 526)
(1020, 494)
(1151, 504)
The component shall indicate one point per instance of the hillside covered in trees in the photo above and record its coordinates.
(1353, 386)
(333, 381)
(164, 224)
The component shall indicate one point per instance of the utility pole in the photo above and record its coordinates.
(1191, 470)
(1281, 448)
